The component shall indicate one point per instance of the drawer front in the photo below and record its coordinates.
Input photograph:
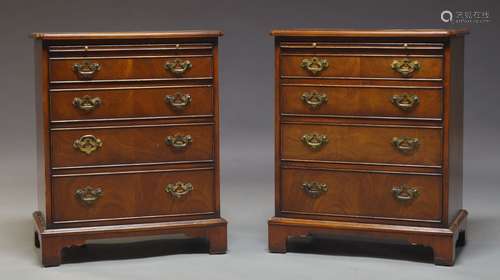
(361, 194)
(125, 68)
(362, 144)
(361, 66)
(133, 144)
(131, 103)
(83, 197)
(362, 101)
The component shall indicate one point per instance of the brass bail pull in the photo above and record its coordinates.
(314, 140)
(405, 144)
(405, 67)
(405, 102)
(179, 141)
(314, 189)
(87, 144)
(86, 70)
(178, 101)
(405, 193)
(179, 189)
(87, 103)
(314, 65)
(314, 99)
(88, 195)
(178, 66)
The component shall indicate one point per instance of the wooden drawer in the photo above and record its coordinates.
(359, 101)
(133, 195)
(361, 194)
(349, 66)
(139, 102)
(128, 68)
(362, 143)
(131, 144)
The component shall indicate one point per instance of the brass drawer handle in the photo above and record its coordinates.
(314, 140)
(179, 189)
(405, 67)
(405, 102)
(178, 66)
(405, 193)
(87, 103)
(88, 195)
(405, 144)
(314, 99)
(86, 70)
(314, 65)
(178, 101)
(87, 144)
(314, 189)
(179, 141)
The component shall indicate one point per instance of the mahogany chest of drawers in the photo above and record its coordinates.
(369, 136)
(128, 138)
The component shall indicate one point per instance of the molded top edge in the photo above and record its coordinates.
(369, 32)
(128, 35)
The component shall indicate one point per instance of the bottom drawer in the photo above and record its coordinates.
(361, 194)
(133, 195)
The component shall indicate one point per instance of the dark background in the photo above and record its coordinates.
(247, 96)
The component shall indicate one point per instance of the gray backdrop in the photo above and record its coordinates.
(246, 71)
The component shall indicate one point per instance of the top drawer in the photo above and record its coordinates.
(390, 60)
(135, 62)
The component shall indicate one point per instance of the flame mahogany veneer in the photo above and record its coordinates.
(369, 136)
(128, 138)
